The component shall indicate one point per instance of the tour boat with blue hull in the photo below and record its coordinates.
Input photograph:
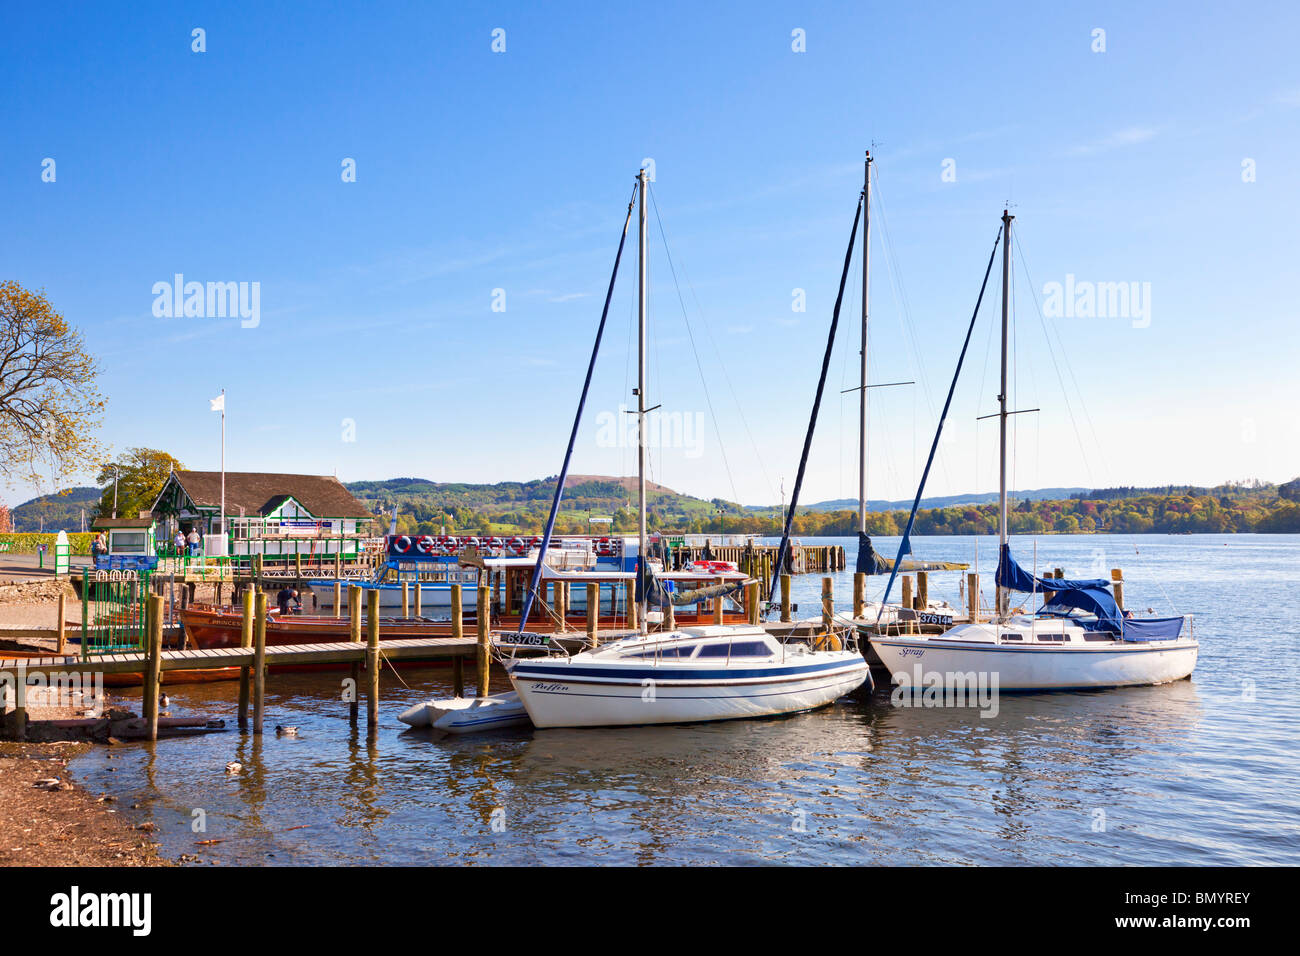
(1079, 638)
(688, 676)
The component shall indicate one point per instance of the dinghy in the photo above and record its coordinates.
(467, 715)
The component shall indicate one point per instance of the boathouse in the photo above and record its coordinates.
(266, 513)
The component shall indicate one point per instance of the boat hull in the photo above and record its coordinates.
(1031, 668)
(556, 695)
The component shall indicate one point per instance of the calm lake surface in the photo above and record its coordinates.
(1204, 771)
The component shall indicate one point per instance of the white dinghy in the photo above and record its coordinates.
(467, 715)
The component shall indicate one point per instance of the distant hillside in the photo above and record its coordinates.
(946, 501)
(62, 511)
(427, 507)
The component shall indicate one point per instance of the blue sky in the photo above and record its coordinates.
(478, 170)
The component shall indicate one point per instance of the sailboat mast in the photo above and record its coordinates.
(862, 391)
(1002, 404)
(640, 403)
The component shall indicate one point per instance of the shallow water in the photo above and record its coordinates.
(1204, 771)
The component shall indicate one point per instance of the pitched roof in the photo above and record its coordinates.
(106, 523)
(259, 492)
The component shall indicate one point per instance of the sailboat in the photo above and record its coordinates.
(1079, 638)
(716, 672)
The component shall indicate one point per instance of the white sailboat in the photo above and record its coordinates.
(1080, 638)
(690, 674)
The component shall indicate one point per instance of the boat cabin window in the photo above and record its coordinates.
(1098, 636)
(673, 651)
(737, 649)
(1051, 637)
(1008, 636)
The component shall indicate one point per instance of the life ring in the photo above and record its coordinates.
(401, 544)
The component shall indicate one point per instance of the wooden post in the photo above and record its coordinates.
(717, 608)
(338, 599)
(372, 660)
(632, 607)
(828, 602)
(259, 664)
(419, 588)
(1117, 585)
(354, 635)
(593, 612)
(458, 634)
(922, 590)
(785, 598)
(751, 592)
(257, 571)
(496, 592)
(153, 673)
(246, 670)
(406, 599)
(859, 594)
(559, 589)
(907, 592)
(973, 596)
(670, 617)
(63, 609)
(484, 648)
(297, 565)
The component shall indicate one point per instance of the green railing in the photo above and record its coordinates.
(113, 611)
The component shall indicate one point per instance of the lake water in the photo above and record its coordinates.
(1204, 771)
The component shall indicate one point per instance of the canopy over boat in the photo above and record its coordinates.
(1092, 596)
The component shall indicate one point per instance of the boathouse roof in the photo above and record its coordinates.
(260, 493)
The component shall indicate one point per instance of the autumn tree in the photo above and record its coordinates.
(141, 474)
(50, 406)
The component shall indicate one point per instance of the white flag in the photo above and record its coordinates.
(219, 403)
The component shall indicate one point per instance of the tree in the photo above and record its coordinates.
(141, 474)
(50, 406)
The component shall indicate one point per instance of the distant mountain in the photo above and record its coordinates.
(61, 512)
(946, 501)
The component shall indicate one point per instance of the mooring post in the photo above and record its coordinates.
(372, 660)
(482, 621)
(859, 594)
(785, 599)
(457, 635)
(751, 591)
(63, 610)
(907, 592)
(973, 596)
(153, 675)
(559, 589)
(354, 635)
(419, 587)
(246, 670)
(406, 600)
(338, 599)
(828, 602)
(593, 612)
(922, 590)
(1116, 585)
(632, 607)
(297, 567)
(718, 607)
(259, 664)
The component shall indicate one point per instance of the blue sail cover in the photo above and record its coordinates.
(1015, 578)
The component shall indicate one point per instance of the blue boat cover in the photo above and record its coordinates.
(1015, 578)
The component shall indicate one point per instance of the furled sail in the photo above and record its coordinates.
(871, 561)
(657, 595)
